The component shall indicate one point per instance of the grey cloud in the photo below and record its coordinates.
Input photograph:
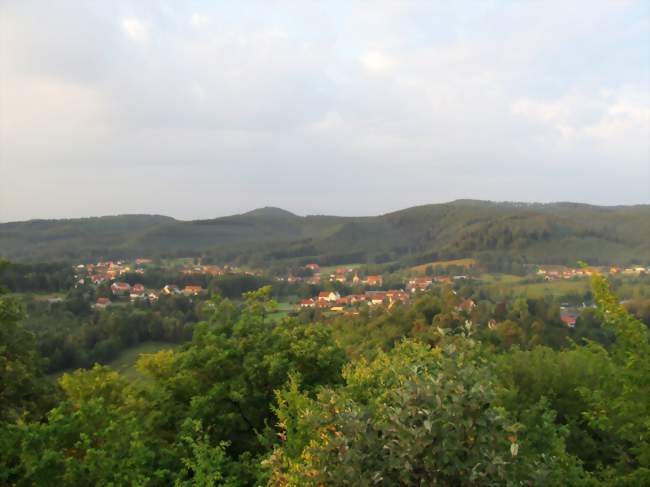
(347, 109)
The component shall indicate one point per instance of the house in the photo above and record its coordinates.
(419, 284)
(325, 298)
(394, 296)
(102, 303)
(98, 278)
(170, 289)
(137, 289)
(375, 297)
(467, 305)
(343, 301)
(307, 303)
(313, 267)
(137, 292)
(355, 279)
(120, 288)
(340, 278)
(192, 290)
(568, 318)
(153, 297)
(614, 270)
(356, 298)
(315, 279)
(374, 281)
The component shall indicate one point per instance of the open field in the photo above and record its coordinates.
(283, 310)
(500, 278)
(331, 269)
(38, 296)
(125, 362)
(514, 285)
(445, 263)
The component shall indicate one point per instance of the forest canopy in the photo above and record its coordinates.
(252, 400)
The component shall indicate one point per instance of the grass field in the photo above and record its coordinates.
(513, 284)
(125, 363)
(283, 310)
(554, 288)
(331, 269)
(445, 263)
(500, 278)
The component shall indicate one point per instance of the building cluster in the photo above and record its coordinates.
(335, 302)
(344, 275)
(108, 271)
(555, 273)
(630, 271)
(552, 274)
(211, 270)
(137, 292)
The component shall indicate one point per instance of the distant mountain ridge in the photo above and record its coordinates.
(549, 232)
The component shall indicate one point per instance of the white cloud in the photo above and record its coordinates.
(135, 29)
(376, 61)
(423, 101)
(199, 20)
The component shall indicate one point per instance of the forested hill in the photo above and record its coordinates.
(541, 233)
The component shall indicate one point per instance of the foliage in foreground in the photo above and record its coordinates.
(414, 416)
(250, 401)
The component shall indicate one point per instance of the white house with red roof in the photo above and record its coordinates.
(326, 298)
(121, 288)
(307, 303)
(374, 281)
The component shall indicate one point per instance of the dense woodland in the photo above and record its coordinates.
(494, 233)
(418, 394)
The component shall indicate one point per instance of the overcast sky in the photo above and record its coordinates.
(353, 108)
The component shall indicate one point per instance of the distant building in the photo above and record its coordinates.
(102, 303)
(374, 281)
(307, 303)
(467, 305)
(340, 278)
(170, 289)
(120, 288)
(419, 284)
(326, 298)
(137, 289)
(376, 298)
(569, 319)
(192, 290)
(396, 296)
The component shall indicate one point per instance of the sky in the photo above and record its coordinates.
(204, 109)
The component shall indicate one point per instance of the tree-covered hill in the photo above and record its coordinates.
(540, 233)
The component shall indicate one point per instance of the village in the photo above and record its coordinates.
(111, 272)
(346, 288)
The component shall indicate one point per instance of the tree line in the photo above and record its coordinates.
(421, 396)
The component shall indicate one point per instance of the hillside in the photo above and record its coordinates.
(548, 233)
